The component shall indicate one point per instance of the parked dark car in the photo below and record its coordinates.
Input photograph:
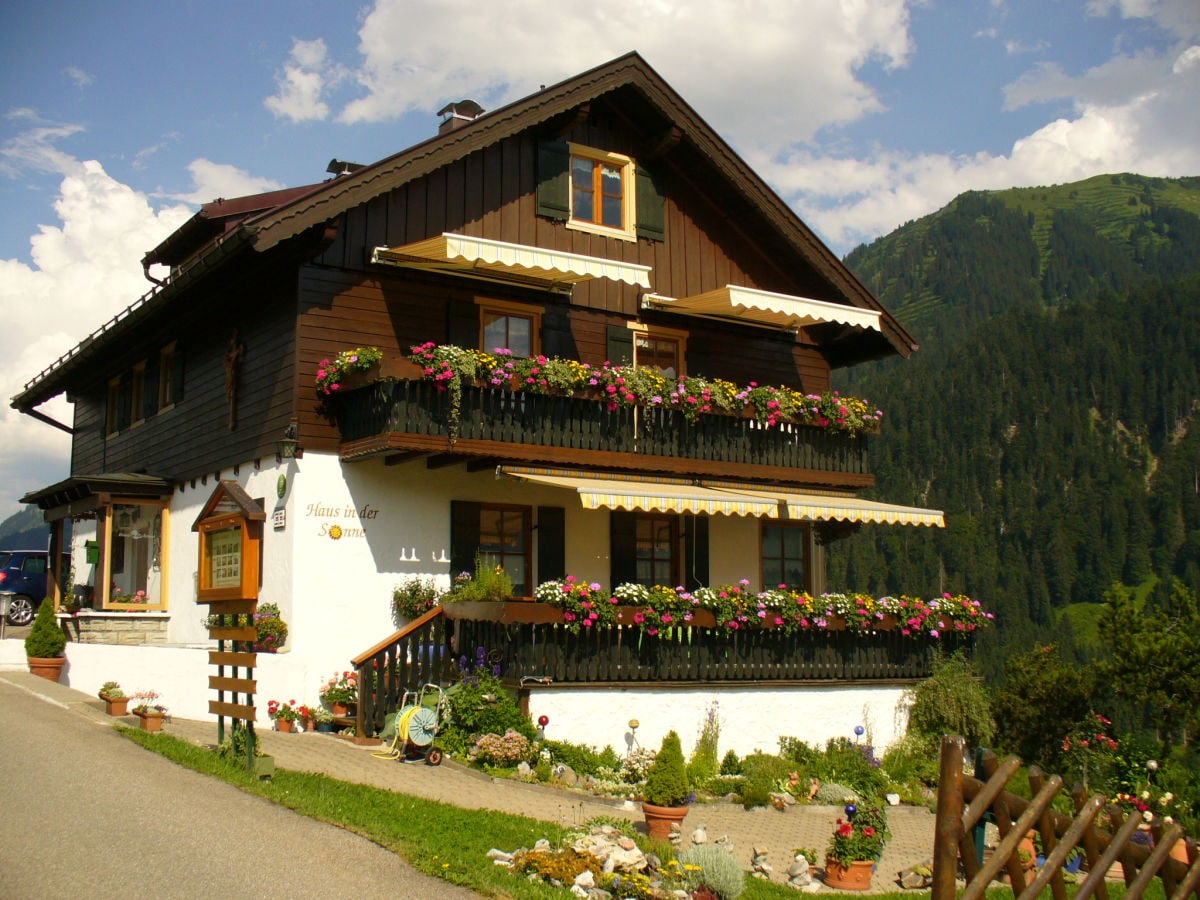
(24, 573)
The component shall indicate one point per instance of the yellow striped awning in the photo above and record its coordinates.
(650, 495)
(815, 507)
(719, 498)
(755, 307)
(474, 255)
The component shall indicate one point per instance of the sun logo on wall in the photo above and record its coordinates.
(335, 532)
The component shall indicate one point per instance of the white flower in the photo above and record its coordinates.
(1147, 816)
(1145, 795)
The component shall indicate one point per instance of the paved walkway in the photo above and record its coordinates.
(776, 832)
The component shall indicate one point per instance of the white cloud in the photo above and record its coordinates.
(35, 148)
(791, 71)
(81, 78)
(304, 81)
(211, 181)
(84, 270)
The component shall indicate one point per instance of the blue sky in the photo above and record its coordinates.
(117, 120)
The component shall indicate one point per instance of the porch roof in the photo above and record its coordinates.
(599, 490)
(466, 255)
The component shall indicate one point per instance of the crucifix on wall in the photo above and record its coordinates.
(233, 360)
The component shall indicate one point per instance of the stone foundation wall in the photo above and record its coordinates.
(116, 628)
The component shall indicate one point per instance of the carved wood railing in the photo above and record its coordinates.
(416, 655)
(422, 414)
(532, 648)
(1104, 838)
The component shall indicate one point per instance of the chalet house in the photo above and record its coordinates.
(599, 219)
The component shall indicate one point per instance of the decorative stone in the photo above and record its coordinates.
(500, 855)
(626, 843)
(542, 846)
(798, 872)
(917, 877)
(564, 775)
(725, 843)
(700, 834)
(759, 867)
(523, 769)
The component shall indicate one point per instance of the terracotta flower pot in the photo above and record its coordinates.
(48, 667)
(855, 877)
(339, 709)
(118, 707)
(149, 721)
(660, 818)
(284, 725)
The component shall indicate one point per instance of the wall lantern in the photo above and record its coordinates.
(289, 445)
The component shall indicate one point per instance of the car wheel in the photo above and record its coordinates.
(21, 611)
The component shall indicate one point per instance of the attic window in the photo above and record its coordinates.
(602, 195)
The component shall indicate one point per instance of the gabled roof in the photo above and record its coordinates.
(298, 211)
(626, 72)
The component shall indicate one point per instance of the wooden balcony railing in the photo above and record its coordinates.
(530, 647)
(417, 415)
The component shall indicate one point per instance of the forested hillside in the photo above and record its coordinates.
(1052, 409)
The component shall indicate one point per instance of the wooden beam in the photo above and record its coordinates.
(231, 658)
(237, 685)
(234, 633)
(232, 710)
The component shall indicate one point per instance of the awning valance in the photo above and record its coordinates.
(720, 498)
(474, 255)
(822, 507)
(652, 496)
(754, 307)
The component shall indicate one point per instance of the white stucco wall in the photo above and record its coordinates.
(751, 719)
(335, 595)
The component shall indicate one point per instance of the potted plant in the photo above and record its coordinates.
(149, 711)
(415, 597)
(666, 794)
(115, 701)
(321, 718)
(339, 692)
(284, 714)
(45, 643)
(855, 846)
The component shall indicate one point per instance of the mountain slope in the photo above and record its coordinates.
(1053, 412)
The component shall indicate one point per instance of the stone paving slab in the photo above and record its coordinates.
(776, 832)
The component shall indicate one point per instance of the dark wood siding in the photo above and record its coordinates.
(193, 437)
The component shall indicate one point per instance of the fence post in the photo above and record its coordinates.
(948, 830)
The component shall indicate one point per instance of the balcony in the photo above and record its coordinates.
(392, 416)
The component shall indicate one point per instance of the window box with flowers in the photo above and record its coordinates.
(149, 710)
(452, 367)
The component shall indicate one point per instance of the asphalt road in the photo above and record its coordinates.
(87, 813)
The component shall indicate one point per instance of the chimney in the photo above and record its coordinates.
(456, 115)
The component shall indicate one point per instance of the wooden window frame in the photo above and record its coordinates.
(628, 229)
(806, 529)
(249, 536)
(526, 537)
(112, 563)
(137, 393)
(658, 332)
(508, 309)
(675, 542)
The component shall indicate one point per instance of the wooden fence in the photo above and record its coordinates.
(1105, 837)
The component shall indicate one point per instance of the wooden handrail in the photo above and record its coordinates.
(397, 636)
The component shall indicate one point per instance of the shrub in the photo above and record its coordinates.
(705, 763)
(846, 762)
(798, 751)
(583, 759)
(952, 701)
(763, 774)
(501, 750)
(479, 704)
(830, 793)
(1042, 699)
(730, 764)
(718, 871)
(45, 639)
(666, 782)
(489, 582)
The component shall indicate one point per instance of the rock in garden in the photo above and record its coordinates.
(700, 835)
(917, 877)
(542, 846)
(523, 769)
(500, 856)
(564, 775)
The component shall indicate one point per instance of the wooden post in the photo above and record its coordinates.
(948, 831)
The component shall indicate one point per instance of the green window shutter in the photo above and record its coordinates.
(463, 325)
(622, 548)
(464, 536)
(557, 338)
(651, 206)
(620, 345)
(553, 185)
(695, 541)
(125, 402)
(551, 543)
(149, 389)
